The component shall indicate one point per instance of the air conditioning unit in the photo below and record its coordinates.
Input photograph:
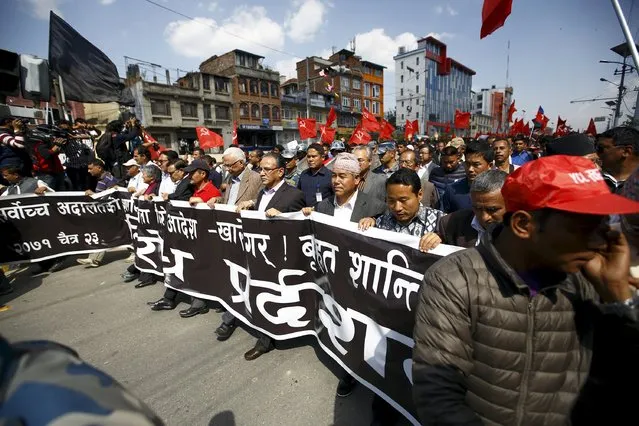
(402, 50)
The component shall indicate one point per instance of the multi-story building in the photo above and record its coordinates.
(255, 94)
(495, 103)
(430, 86)
(481, 123)
(294, 106)
(171, 112)
(350, 85)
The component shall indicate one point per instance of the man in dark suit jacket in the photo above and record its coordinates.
(274, 198)
(348, 203)
(184, 188)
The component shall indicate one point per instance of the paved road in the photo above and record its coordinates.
(176, 365)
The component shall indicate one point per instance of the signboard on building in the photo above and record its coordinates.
(265, 122)
(598, 119)
(249, 127)
(278, 128)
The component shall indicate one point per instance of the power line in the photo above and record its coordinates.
(220, 29)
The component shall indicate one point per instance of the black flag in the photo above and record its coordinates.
(88, 75)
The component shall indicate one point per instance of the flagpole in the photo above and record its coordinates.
(626, 31)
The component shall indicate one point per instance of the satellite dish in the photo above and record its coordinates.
(409, 108)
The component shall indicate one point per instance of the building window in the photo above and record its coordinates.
(402, 104)
(188, 109)
(417, 61)
(206, 82)
(207, 111)
(255, 111)
(345, 82)
(286, 113)
(160, 107)
(417, 115)
(317, 116)
(264, 88)
(401, 92)
(274, 90)
(367, 104)
(375, 107)
(223, 86)
(301, 114)
(244, 110)
(376, 90)
(346, 102)
(266, 111)
(357, 103)
(402, 117)
(357, 84)
(401, 65)
(378, 73)
(222, 113)
(417, 101)
(417, 89)
(417, 76)
(276, 113)
(254, 87)
(241, 85)
(367, 89)
(240, 60)
(401, 78)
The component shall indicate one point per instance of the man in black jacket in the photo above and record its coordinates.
(276, 197)
(183, 187)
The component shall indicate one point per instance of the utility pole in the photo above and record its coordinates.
(620, 95)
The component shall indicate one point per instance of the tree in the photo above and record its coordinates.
(391, 117)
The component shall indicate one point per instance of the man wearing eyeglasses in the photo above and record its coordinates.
(276, 197)
(618, 150)
(242, 184)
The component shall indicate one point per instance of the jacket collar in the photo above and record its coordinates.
(506, 275)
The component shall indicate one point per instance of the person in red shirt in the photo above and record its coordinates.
(204, 189)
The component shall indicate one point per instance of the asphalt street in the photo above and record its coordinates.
(176, 365)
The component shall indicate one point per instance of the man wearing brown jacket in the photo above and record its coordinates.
(506, 332)
(242, 184)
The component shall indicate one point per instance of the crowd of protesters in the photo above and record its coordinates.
(533, 324)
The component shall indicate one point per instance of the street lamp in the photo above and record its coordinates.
(608, 81)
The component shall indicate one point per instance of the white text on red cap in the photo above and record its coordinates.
(587, 176)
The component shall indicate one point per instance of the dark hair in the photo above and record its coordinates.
(200, 150)
(61, 122)
(6, 120)
(482, 148)
(280, 162)
(13, 168)
(623, 136)
(143, 151)
(449, 151)
(170, 154)
(520, 137)
(427, 146)
(97, 162)
(259, 153)
(179, 165)
(280, 147)
(317, 147)
(209, 159)
(114, 126)
(406, 177)
(80, 120)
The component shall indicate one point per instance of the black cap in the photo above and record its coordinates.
(197, 165)
(576, 144)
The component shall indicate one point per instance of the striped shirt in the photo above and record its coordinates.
(105, 182)
(8, 139)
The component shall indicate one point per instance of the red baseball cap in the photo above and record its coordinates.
(562, 182)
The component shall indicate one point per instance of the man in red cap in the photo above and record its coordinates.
(504, 331)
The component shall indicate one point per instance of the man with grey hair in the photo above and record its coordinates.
(464, 228)
(242, 184)
(373, 184)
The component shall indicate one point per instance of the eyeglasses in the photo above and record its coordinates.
(268, 170)
(228, 166)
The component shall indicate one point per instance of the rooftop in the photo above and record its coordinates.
(373, 65)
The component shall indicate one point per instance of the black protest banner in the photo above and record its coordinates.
(287, 277)
(35, 228)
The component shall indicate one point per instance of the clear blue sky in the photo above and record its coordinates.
(555, 45)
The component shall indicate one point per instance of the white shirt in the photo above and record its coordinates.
(477, 227)
(267, 196)
(345, 211)
(137, 183)
(423, 169)
(167, 185)
(235, 186)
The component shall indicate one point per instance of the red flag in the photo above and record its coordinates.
(408, 130)
(462, 119)
(493, 15)
(327, 133)
(386, 130)
(208, 138)
(331, 117)
(369, 122)
(511, 111)
(307, 127)
(415, 127)
(155, 149)
(526, 129)
(561, 130)
(360, 136)
(235, 142)
(592, 129)
(447, 128)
